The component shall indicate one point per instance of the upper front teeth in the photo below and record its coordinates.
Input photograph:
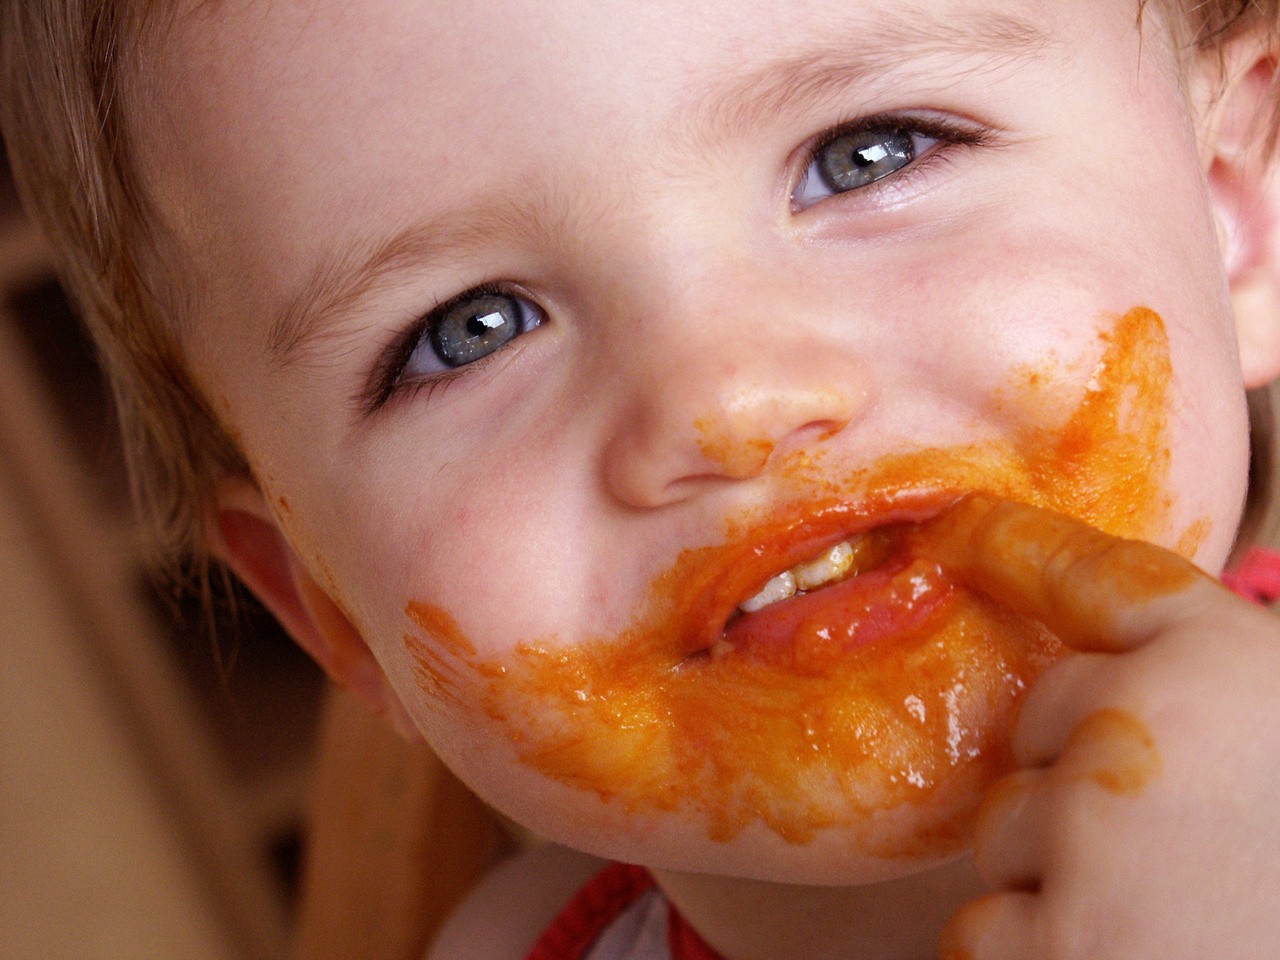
(828, 568)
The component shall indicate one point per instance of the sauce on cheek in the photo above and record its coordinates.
(889, 700)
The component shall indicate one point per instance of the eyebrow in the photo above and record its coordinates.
(343, 280)
(990, 39)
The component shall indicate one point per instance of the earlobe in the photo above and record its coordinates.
(1255, 301)
(1236, 94)
(249, 540)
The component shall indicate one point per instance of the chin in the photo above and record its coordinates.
(889, 845)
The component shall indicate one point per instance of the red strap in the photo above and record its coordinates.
(592, 909)
(1257, 577)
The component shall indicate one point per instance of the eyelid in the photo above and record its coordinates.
(948, 129)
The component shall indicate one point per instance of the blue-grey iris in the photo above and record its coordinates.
(856, 159)
(474, 328)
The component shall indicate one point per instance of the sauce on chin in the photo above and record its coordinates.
(893, 690)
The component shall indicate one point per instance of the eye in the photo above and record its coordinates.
(461, 332)
(873, 150)
(858, 158)
(466, 329)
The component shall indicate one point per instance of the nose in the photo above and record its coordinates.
(722, 408)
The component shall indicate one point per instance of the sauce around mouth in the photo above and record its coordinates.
(893, 690)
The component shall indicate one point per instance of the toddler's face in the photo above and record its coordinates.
(697, 274)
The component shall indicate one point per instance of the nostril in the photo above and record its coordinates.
(824, 430)
(662, 455)
(734, 457)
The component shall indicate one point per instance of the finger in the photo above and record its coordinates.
(1001, 926)
(1111, 749)
(1008, 843)
(1095, 591)
(1061, 698)
(1026, 817)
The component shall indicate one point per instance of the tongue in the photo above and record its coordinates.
(811, 633)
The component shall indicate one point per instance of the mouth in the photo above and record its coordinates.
(823, 586)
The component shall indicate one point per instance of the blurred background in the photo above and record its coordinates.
(152, 779)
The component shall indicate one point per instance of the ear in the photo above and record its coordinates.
(249, 540)
(1234, 86)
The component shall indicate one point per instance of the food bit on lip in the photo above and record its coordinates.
(721, 648)
(891, 744)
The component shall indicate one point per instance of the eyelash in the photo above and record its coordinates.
(947, 131)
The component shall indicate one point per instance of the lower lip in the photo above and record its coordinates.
(811, 633)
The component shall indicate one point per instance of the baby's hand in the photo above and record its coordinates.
(1145, 821)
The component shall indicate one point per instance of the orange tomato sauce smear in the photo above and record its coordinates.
(660, 718)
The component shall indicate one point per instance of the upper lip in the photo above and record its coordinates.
(797, 533)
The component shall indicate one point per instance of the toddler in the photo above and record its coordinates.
(761, 443)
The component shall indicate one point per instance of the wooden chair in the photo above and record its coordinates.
(394, 842)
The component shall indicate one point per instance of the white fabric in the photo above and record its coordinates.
(638, 933)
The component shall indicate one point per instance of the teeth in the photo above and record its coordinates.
(779, 588)
(828, 568)
(831, 566)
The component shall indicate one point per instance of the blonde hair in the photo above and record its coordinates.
(65, 68)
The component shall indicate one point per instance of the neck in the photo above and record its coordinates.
(758, 920)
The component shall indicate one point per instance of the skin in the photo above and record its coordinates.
(699, 329)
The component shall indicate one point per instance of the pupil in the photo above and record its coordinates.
(482, 323)
(475, 328)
